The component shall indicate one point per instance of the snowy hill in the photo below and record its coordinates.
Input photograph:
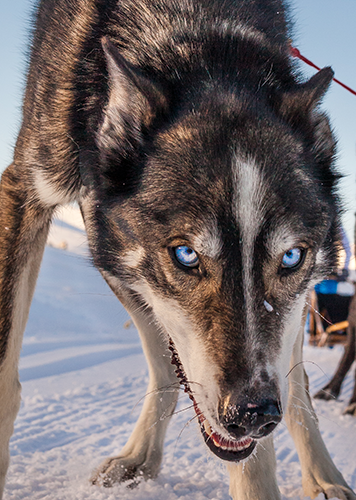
(84, 376)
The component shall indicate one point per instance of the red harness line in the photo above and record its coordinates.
(295, 53)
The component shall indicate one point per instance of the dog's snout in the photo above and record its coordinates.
(252, 420)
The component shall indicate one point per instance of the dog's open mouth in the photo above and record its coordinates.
(226, 449)
(231, 450)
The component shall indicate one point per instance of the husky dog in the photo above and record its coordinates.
(333, 388)
(204, 172)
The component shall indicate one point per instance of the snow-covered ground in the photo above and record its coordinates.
(84, 376)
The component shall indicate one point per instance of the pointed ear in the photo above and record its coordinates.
(135, 101)
(300, 102)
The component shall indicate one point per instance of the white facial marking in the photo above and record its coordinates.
(48, 193)
(250, 197)
(208, 242)
(133, 257)
(320, 257)
(291, 329)
(281, 240)
(198, 366)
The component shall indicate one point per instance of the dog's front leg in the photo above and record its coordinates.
(255, 479)
(24, 226)
(318, 470)
(142, 455)
(333, 388)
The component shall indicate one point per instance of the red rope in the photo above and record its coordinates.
(296, 53)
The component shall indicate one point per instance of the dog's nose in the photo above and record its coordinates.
(252, 420)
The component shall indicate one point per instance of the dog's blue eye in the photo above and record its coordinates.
(186, 256)
(292, 258)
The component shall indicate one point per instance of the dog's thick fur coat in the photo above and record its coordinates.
(204, 172)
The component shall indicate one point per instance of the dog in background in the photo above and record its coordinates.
(205, 175)
(332, 389)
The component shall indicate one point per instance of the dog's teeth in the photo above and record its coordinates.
(217, 444)
(244, 444)
(218, 440)
(207, 428)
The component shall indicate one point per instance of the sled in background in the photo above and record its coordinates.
(329, 310)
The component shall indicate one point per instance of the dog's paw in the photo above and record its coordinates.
(351, 410)
(340, 491)
(326, 394)
(124, 470)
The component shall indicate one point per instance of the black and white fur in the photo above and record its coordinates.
(181, 123)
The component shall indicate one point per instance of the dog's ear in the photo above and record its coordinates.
(135, 101)
(299, 107)
(298, 103)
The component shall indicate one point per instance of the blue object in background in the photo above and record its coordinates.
(326, 287)
(343, 288)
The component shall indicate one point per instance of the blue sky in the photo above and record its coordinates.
(325, 32)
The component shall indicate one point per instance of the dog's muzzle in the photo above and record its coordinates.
(243, 424)
(252, 420)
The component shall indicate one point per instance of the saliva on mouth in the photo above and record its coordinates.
(232, 450)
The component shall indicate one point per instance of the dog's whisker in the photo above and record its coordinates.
(303, 362)
(263, 447)
(181, 432)
(293, 396)
(324, 417)
(176, 412)
(298, 422)
(309, 393)
(300, 408)
(298, 384)
(161, 390)
(164, 415)
(324, 391)
(283, 424)
(306, 410)
(318, 313)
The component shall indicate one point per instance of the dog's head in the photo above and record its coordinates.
(218, 216)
